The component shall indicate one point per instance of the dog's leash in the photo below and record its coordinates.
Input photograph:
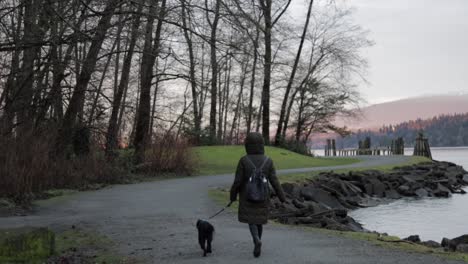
(220, 211)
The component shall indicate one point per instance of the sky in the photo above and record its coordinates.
(421, 46)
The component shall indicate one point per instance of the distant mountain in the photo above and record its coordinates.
(442, 131)
(391, 113)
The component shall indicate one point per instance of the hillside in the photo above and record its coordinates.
(224, 159)
(395, 112)
(442, 131)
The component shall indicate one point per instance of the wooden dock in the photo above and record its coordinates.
(382, 151)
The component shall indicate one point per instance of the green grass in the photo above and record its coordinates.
(223, 159)
(221, 197)
(92, 247)
(300, 177)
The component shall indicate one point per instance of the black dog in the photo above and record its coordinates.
(205, 235)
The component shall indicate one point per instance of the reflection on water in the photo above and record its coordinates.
(430, 218)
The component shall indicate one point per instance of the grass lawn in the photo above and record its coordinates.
(223, 159)
(300, 177)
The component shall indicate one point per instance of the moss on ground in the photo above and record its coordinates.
(26, 245)
(88, 247)
(38, 245)
(223, 159)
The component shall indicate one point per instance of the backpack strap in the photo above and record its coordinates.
(264, 162)
(250, 161)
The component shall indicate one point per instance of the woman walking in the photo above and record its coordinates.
(254, 213)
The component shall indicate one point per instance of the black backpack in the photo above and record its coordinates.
(257, 185)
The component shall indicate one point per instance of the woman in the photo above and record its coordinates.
(254, 214)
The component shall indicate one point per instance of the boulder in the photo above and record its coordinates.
(392, 194)
(462, 248)
(421, 193)
(291, 189)
(431, 243)
(413, 238)
(405, 190)
(465, 178)
(445, 242)
(408, 178)
(26, 244)
(298, 204)
(453, 243)
(378, 188)
(442, 191)
(320, 196)
(368, 188)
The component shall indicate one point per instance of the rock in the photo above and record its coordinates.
(320, 196)
(405, 190)
(291, 189)
(421, 193)
(445, 242)
(413, 238)
(453, 243)
(431, 243)
(462, 248)
(392, 194)
(408, 178)
(442, 191)
(378, 188)
(26, 244)
(298, 204)
(368, 188)
(465, 178)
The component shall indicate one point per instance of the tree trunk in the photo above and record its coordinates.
(24, 94)
(115, 121)
(266, 5)
(214, 72)
(75, 105)
(279, 137)
(6, 121)
(226, 99)
(239, 99)
(252, 82)
(193, 81)
(150, 51)
(101, 82)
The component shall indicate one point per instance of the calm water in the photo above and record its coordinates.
(430, 218)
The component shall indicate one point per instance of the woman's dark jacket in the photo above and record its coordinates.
(254, 213)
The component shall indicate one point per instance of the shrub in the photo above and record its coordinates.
(27, 168)
(296, 146)
(168, 154)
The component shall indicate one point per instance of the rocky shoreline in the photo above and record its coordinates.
(325, 200)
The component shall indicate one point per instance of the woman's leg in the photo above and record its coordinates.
(260, 231)
(254, 232)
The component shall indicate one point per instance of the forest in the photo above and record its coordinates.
(86, 85)
(442, 131)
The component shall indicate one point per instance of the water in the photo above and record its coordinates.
(430, 218)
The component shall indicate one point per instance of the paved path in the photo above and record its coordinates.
(154, 221)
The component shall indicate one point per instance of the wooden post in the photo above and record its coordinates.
(333, 147)
(327, 148)
(421, 147)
